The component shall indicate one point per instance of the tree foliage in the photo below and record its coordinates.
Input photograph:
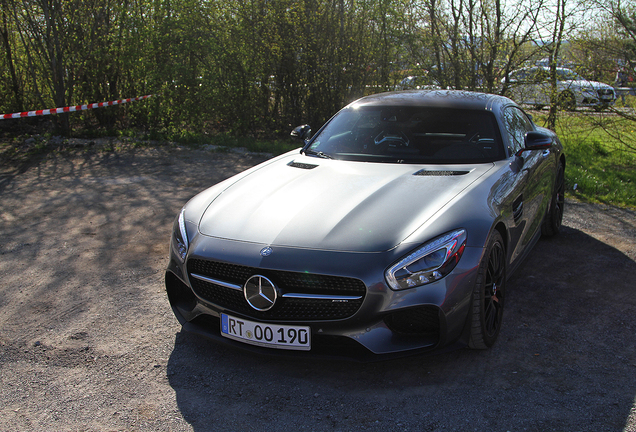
(255, 66)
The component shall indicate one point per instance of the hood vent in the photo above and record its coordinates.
(302, 165)
(439, 173)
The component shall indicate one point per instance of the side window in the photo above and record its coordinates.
(517, 124)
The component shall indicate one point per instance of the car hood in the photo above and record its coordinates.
(306, 202)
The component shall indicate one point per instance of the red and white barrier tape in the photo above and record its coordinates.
(70, 108)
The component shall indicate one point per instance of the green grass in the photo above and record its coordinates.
(600, 157)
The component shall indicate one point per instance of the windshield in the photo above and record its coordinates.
(410, 134)
(568, 75)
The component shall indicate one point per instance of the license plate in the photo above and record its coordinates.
(267, 335)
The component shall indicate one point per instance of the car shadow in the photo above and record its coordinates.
(565, 360)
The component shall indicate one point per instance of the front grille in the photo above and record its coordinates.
(296, 309)
(606, 92)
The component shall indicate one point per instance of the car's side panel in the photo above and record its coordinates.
(530, 182)
(536, 166)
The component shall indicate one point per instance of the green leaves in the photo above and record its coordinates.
(253, 67)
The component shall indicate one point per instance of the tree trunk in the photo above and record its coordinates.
(17, 105)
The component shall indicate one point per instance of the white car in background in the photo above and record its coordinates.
(531, 86)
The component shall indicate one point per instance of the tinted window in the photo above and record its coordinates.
(517, 124)
(411, 135)
(567, 74)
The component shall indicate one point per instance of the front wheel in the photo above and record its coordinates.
(489, 295)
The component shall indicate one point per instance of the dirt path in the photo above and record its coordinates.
(88, 340)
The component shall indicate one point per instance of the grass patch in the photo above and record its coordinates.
(626, 101)
(21, 149)
(596, 174)
(257, 145)
(600, 157)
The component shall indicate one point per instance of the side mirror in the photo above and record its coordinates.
(536, 141)
(302, 132)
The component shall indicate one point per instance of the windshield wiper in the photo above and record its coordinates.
(319, 154)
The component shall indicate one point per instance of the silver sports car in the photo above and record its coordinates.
(393, 230)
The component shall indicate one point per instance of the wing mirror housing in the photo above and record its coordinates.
(536, 141)
(301, 132)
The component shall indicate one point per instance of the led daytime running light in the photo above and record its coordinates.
(182, 228)
(406, 274)
(180, 237)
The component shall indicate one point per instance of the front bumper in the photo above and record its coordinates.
(593, 97)
(381, 323)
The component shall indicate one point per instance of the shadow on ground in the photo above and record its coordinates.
(565, 360)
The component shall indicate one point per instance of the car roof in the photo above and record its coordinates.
(459, 99)
(545, 68)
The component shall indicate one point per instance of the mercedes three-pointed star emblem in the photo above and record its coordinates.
(260, 293)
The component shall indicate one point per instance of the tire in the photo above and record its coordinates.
(554, 217)
(489, 295)
(567, 101)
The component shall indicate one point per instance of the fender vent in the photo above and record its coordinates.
(517, 209)
(302, 165)
(436, 173)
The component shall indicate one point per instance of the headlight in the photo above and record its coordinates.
(429, 263)
(180, 237)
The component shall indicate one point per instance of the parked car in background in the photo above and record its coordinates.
(531, 86)
(393, 230)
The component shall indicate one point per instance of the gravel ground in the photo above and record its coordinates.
(88, 340)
